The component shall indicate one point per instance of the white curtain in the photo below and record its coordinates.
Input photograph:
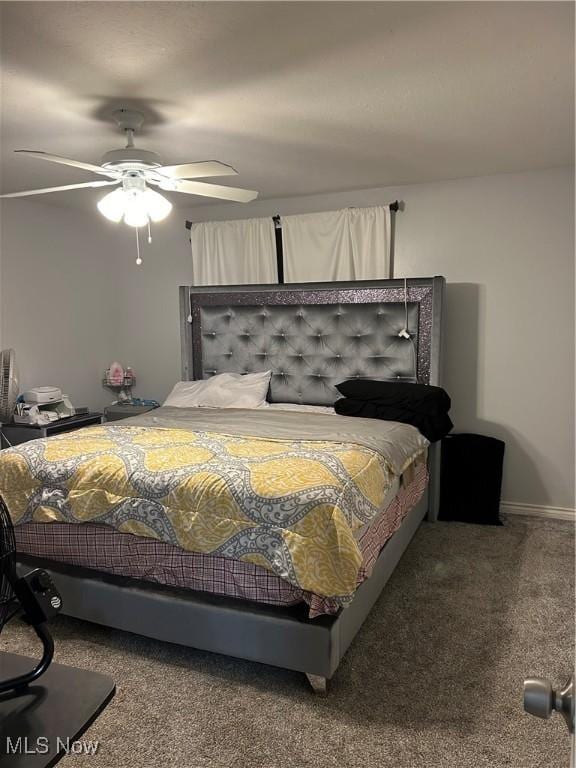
(351, 244)
(234, 252)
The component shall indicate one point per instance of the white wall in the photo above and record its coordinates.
(147, 335)
(55, 288)
(506, 247)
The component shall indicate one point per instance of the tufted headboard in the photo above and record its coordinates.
(314, 335)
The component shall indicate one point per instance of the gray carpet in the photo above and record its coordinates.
(434, 678)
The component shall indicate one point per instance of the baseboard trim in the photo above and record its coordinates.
(536, 510)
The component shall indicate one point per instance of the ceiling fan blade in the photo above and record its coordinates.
(45, 190)
(68, 161)
(211, 190)
(197, 170)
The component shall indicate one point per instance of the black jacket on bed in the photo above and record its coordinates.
(423, 406)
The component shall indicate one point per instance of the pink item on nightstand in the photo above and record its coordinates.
(116, 374)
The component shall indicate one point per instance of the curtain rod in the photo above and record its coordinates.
(394, 207)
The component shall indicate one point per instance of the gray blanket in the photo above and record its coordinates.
(397, 443)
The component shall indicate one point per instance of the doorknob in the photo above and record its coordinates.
(540, 699)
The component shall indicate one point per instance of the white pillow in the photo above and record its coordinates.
(225, 390)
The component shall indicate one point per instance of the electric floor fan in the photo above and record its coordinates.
(34, 594)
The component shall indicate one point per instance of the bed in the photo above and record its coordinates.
(299, 517)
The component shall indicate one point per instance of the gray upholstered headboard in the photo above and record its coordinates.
(314, 335)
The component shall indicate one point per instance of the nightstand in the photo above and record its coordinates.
(14, 434)
(125, 410)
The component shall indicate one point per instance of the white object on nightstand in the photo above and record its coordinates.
(42, 395)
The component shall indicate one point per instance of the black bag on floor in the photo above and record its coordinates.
(471, 478)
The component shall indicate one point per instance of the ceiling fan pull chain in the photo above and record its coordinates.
(138, 259)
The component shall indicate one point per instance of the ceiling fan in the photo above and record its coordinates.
(137, 171)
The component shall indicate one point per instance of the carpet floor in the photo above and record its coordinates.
(433, 680)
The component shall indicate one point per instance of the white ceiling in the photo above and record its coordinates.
(300, 97)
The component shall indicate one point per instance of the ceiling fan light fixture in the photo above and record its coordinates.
(135, 206)
(135, 210)
(112, 205)
(157, 206)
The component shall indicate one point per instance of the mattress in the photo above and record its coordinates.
(286, 492)
(101, 548)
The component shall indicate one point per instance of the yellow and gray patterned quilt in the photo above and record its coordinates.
(289, 503)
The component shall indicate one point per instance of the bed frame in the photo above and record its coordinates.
(311, 336)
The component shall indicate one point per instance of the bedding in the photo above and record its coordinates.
(267, 488)
(425, 407)
(328, 409)
(225, 390)
(101, 548)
